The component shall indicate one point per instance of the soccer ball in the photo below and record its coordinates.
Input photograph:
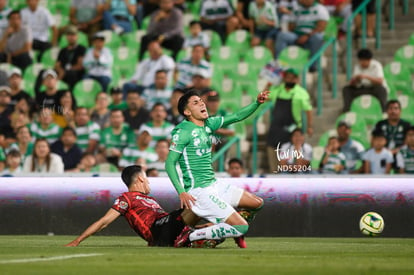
(371, 224)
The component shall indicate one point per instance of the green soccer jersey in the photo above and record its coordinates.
(333, 161)
(194, 144)
(408, 159)
(118, 141)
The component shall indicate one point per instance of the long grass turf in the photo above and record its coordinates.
(130, 255)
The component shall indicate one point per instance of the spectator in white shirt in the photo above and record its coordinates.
(40, 20)
(42, 160)
(145, 72)
(98, 62)
(367, 79)
(158, 92)
(378, 159)
(196, 36)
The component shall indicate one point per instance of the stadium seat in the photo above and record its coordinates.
(407, 107)
(112, 39)
(28, 87)
(405, 55)
(230, 91)
(125, 59)
(82, 40)
(294, 57)
(6, 67)
(215, 40)
(225, 58)
(331, 29)
(398, 75)
(49, 57)
(258, 57)
(367, 107)
(246, 75)
(61, 19)
(239, 41)
(85, 92)
(317, 153)
(145, 23)
(32, 71)
(133, 39)
(194, 7)
(323, 140)
(164, 51)
(183, 54)
(17, 4)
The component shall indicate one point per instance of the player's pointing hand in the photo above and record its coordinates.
(263, 96)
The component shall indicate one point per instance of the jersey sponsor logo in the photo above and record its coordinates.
(194, 133)
(201, 152)
(197, 142)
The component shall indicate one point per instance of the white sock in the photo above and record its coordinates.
(215, 232)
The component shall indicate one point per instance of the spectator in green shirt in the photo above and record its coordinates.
(117, 101)
(290, 100)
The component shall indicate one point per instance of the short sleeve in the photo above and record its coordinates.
(180, 139)
(215, 123)
(323, 13)
(390, 158)
(121, 205)
(305, 102)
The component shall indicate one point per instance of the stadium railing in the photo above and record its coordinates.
(362, 10)
(220, 155)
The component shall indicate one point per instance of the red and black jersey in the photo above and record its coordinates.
(141, 211)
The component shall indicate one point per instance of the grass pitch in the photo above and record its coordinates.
(130, 255)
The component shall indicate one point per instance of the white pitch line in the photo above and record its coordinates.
(57, 258)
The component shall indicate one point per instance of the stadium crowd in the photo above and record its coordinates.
(108, 97)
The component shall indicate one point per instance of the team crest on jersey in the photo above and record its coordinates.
(194, 133)
(208, 130)
(123, 205)
(175, 137)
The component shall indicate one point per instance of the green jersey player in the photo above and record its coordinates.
(201, 192)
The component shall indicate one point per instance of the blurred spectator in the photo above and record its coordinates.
(69, 64)
(67, 149)
(48, 98)
(371, 11)
(13, 161)
(98, 61)
(40, 21)
(15, 83)
(219, 16)
(64, 112)
(306, 28)
(24, 111)
(212, 101)
(188, 67)
(235, 169)
(341, 9)
(162, 149)
(43, 160)
(16, 42)
(149, 6)
(45, 127)
(115, 138)
(158, 127)
(166, 26)
(290, 101)
(297, 154)
(5, 110)
(145, 72)
(87, 164)
(284, 10)
(24, 144)
(378, 159)
(152, 172)
(367, 79)
(200, 80)
(394, 128)
(405, 156)
(333, 161)
(197, 37)
(100, 113)
(242, 13)
(352, 149)
(159, 91)
(264, 23)
(86, 15)
(136, 115)
(116, 100)
(173, 115)
(4, 12)
(142, 150)
(2, 156)
(87, 131)
(119, 14)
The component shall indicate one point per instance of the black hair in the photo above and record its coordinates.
(235, 160)
(332, 137)
(364, 54)
(14, 153)
(183, 102)
(161, 71)
(13, 12)
(149, 170)
(133, 92)
(410, 129)
(162, 140)
(116, 110)
(179, 90)
(157, 104)
(195, 22)
(296, 130)
(69, 129)
(115, 90)
(377, 133)
(392, 101)
(130, 173)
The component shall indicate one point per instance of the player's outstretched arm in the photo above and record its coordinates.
(246, 111)
(97, 226)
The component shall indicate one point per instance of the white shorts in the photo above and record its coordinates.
(215, 203)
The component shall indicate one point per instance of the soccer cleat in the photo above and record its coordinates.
(240, 242)
(204, 244)
(183, 240)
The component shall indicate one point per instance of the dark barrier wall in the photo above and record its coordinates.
(294, 206)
